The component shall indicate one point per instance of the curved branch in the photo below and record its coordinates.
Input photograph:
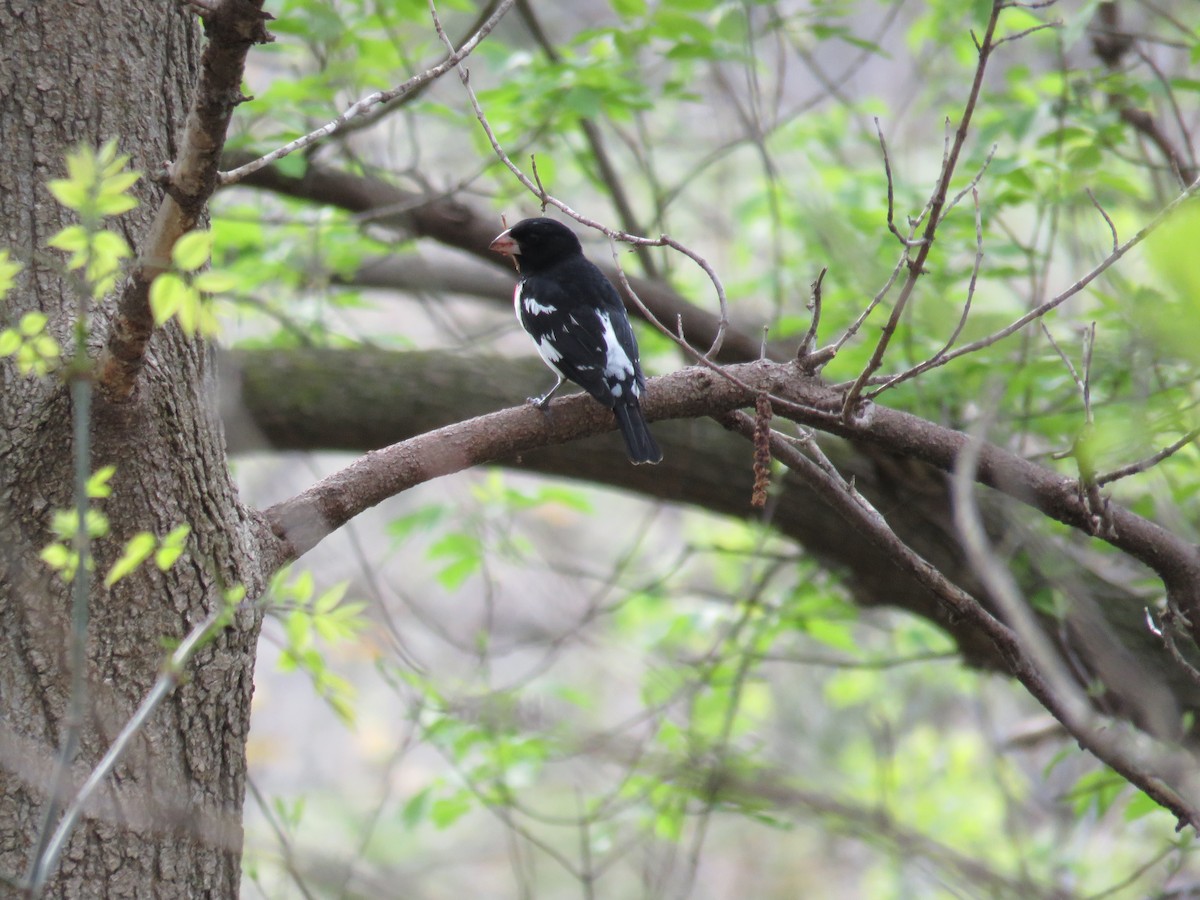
(362, 399)
(356, 110)
(232, 28)
(454, 223)
(698, 392)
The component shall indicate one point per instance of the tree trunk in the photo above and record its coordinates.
(169, 822)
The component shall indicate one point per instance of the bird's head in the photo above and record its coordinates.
(536, 244)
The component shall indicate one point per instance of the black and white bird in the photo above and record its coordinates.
(577, 320)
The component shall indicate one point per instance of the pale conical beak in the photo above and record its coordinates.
(504, 244)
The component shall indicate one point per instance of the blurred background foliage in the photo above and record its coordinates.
(512, 686)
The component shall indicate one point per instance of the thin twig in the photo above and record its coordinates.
(172, 674)
(632, 239)
(971, 285)
(1057, 23)
(367, 103)
(1174, 622)
(938, 200)
(972, 184)
(908, 241)
(810, 337)
(1150, 461)
(285, 844)
(1042, 309)
(1112, 229)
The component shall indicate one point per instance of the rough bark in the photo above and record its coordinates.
(170, 825)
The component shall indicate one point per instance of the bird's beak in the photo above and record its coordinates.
(504, 244)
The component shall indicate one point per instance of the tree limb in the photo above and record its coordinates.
(233, 27)
(457, 224)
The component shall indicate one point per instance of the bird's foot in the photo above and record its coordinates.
(540, 402)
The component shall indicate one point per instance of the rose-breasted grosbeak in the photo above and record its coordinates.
(577, 320)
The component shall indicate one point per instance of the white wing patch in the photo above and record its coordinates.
(617, 364)
(536, 309)
(549, 354)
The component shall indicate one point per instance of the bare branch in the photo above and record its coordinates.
(810, 337)
(937, 202)
(1161, 769)
(233, 27)
(1042, 309)
(1150, 461)
(905, 240)
(173, 672)
(367, 103)
(635, 240)
(1112, 229)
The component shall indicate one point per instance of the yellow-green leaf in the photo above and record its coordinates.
(192, 250)
(214, 282)
(166, 556)
(136, 552)
(189, 312)
(8, 272)
(33, 323)
(71, 193)
(97, 485)
(56, 555)
(167, 294)
(73, 239)
(10, 342)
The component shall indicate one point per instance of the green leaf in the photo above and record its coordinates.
(137, 550)
(298, 626)
(168, 293)
(33, 323)
(8, 272)
(465, 553)
(416, 809)
(115, 205)
(445, 811)
(10, 342)
(629, 9)
(214, 282)
(189, 312)
(71, 194)
(421, 520)
(97, 485)
(192, 250)
(74, 239)
(167, 556)
(56, 555)
(330, 598)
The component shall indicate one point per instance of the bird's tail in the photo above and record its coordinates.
(638, 440)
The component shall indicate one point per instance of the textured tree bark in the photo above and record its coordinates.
(169, 823)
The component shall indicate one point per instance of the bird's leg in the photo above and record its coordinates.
(542, 401)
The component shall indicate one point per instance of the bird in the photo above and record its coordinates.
(579, 325)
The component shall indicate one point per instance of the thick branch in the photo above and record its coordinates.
(233, 27)
(363, 399)
(306, 519)
(456, 224)
(696, 392)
